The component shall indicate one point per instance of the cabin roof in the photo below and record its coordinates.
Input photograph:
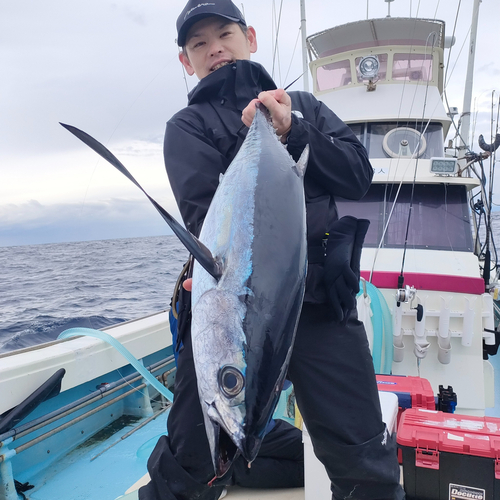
(376, 33)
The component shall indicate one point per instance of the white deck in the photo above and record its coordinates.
(234, 492)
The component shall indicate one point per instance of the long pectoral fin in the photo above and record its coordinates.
(199, 251)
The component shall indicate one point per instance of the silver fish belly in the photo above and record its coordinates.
(244, 323)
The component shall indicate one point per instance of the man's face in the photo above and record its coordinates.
(214, 42)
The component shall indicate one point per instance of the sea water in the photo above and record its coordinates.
(46, 289)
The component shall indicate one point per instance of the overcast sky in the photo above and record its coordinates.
(111, 69)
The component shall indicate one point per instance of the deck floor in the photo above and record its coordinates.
(233, 493)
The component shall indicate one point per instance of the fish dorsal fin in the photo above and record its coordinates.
(194, 246)
(301, 165)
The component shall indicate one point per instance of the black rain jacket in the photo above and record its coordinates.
(202, 139)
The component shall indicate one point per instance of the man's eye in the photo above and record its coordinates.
(198, 44)
(226, 33)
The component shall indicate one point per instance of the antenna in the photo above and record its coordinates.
(304, 44)
(389, 7)
(469, 79)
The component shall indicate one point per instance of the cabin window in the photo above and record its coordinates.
(439, 219)
(372, 136)
(412, 67)
(334, 75)
(382, 73)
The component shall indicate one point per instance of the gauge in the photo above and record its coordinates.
(444, 166)
(404, 142)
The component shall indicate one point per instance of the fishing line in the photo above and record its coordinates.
(450, 243)
(416, 163)
(489, 232)
(400, 106)
(276, 52)
(443, 94)
(474, 119)
(416, 150)
(120, 121)
(122, 118)
(291, 61)
(437, 7)
(386, 222)
(184, 74)
(452, 36)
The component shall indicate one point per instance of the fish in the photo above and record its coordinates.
(248, 286)
(243, 325)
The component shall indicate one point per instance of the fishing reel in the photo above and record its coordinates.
(406, 294)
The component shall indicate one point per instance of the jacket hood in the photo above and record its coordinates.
(239, 83)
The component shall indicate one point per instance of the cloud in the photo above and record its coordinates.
(142, 148)
(133, 14)
(490, 69)
(33, 222)
(110, 67)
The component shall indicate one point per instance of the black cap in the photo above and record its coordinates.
(195, 10)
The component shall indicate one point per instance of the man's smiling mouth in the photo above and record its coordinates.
(220, 65)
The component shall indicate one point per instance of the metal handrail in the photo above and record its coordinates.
(100, 393)
(74, 421)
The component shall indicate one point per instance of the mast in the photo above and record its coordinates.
(305, 67)
(469, 79)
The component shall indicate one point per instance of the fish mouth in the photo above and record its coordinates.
(224, 450)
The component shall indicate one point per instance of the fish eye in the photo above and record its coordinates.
(231, 381)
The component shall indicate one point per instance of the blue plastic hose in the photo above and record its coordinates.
(89, 332)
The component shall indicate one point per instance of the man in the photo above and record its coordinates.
(331, 366)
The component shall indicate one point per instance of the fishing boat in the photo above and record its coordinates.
(78, 420)
(385, 78)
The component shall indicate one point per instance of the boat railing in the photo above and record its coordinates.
(7, 452)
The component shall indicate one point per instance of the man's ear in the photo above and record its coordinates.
(252, 39)
(183, 58)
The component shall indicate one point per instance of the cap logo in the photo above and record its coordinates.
(196, 7)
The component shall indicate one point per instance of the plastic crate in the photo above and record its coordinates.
(449, 456)
(412, 392)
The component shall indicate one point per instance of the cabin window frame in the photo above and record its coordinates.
(440, 218)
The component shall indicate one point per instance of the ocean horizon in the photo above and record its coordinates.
(50, 287)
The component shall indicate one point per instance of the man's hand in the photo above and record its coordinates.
(279, 104)
(188, 285)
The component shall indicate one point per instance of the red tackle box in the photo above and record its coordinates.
(447, 456)
(412, 392)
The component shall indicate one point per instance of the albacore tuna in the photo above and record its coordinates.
(248, 286)
(244, 323)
